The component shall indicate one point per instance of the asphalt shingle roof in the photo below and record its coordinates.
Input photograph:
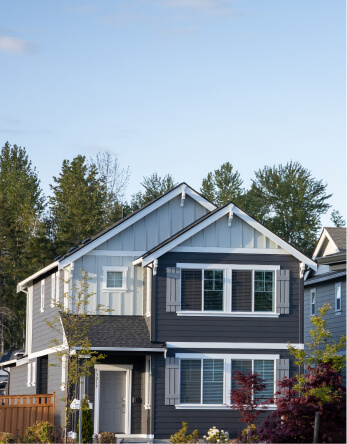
(338, 235)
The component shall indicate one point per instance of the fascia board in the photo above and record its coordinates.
(24, 283)
(116, 230)
(324, 235)
(184, 237)
(200, 199)
(272, 236)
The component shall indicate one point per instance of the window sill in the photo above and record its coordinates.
(218, 407)
(112, 290)
(233, 315)
(338, 312)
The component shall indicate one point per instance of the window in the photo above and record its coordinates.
(202, 290)
(265, 370)
(338, 297)
(42, 308)
(202, 381)
(313, 301)
(115, 278)
(53, 290)
(31, 378)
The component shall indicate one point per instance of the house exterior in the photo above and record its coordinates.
(328, 283)
(197, 292)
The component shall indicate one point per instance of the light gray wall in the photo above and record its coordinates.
(18, 381)
(54, 380)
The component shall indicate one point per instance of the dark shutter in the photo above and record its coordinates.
(191, 289)
(242, 290)
(282, 291)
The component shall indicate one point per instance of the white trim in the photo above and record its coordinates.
(149, 284)
(234, 345)
(259, 267)
(135, 218)
(7, 363)
(233, 314)
(33, 374)
(29, 339)
(148, 382)
(128, 384)
(46, 351)
(180, 249)
(63, 372)
(57, 287)
(42, 306)
(53, 287)
(234, 356)
(324, 235)
(162, 350)
(130, 253)
(33, 276)
(313, 290)
(217, 407)
(22, 361)
(29, 374)
(115, 268)
(338, 285)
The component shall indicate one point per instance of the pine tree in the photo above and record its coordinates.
(76, 204)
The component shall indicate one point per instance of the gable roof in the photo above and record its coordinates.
(207, 220)
(336, 236)
(89, 244)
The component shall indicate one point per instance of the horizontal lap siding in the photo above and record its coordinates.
(53, 385)
(18, 381)
(171, 328)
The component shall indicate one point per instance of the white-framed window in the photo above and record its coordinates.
(148, 291)
(53, 278)
(338, 289)
(42, 308)
(148, 377)
(238, 289)
(114, 278)
(207, 380)
(313, 301)
(29, 375)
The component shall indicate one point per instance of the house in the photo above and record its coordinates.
(328, 283)
(197, 292)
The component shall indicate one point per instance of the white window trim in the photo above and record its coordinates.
(228, 358)
(63, 372)
(338, 285)
(313, 290)
(148, 383)
(29, 375)
(53, 278)
(107, 268)
(42, 307)
(227, 301)
(57, 285)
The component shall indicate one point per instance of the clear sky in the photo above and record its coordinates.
(177, 86)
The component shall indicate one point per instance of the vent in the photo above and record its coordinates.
(71, 249)
(86, 240)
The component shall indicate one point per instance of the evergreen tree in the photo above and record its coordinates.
(289, 201)
(223, 185)
(77, 203)
(21, 207)
(155, 186)
(337, 219)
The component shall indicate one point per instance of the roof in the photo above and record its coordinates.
(10, 358)
(211, 217)
(324, 277)
(117, 331)
(338, 235)
(335, 236)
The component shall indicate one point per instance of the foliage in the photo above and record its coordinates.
(337, 219)
(319, 350)
(115, 180)
(182, 437)
(249, 434)
(289, 201)
(87, 426)
(77, 320)
(77, 203)
(6, 437)
(155, 186)
(223, 185)
(40, 432)
(107, 437)
(216, 436)
(293, 421)
(244, 397)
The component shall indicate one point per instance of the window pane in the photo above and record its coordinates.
(191, 289)
(190, 392)
(213, 381)
(265, 370)
(242, 290)
(313, 302)
(264, 287)
(213, 289)
(114, 279)
(338, 296)
(240, 366)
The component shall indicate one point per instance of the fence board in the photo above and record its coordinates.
(17, 413)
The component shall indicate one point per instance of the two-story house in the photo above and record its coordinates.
(197, 292)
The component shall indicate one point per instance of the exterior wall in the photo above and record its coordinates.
(169, 327)
(53, 385)
(18, 381)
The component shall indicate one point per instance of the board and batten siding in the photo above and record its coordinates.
(239, 235)
(170, 327)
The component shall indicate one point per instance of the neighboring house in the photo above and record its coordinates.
(196, 292)
(328, 283)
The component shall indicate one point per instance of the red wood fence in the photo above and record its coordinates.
(19, 412)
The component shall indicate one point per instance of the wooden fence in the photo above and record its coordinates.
(19, 412)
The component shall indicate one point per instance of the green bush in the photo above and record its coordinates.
(181, 435)
(87, 427)
(107, 437)
(6, 437)
(39, 432)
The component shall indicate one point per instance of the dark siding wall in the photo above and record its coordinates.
(170, 327)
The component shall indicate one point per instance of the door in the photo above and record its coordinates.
(112, 401)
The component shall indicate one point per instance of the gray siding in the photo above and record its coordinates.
(170, 327)
(18, 381)
(54, 380)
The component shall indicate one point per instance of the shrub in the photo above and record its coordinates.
(39, 432)
(107, 437)
(181, 435)
(6, 437)
(216, 436)
(87, 427)
(249, 434)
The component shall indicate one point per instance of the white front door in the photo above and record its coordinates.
(113, 405)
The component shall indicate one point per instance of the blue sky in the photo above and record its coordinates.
(177, 86)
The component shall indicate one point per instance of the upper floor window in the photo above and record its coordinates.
(253, 290)
(313, 301)
(114, 278)
(338, 297)
(202, 289)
